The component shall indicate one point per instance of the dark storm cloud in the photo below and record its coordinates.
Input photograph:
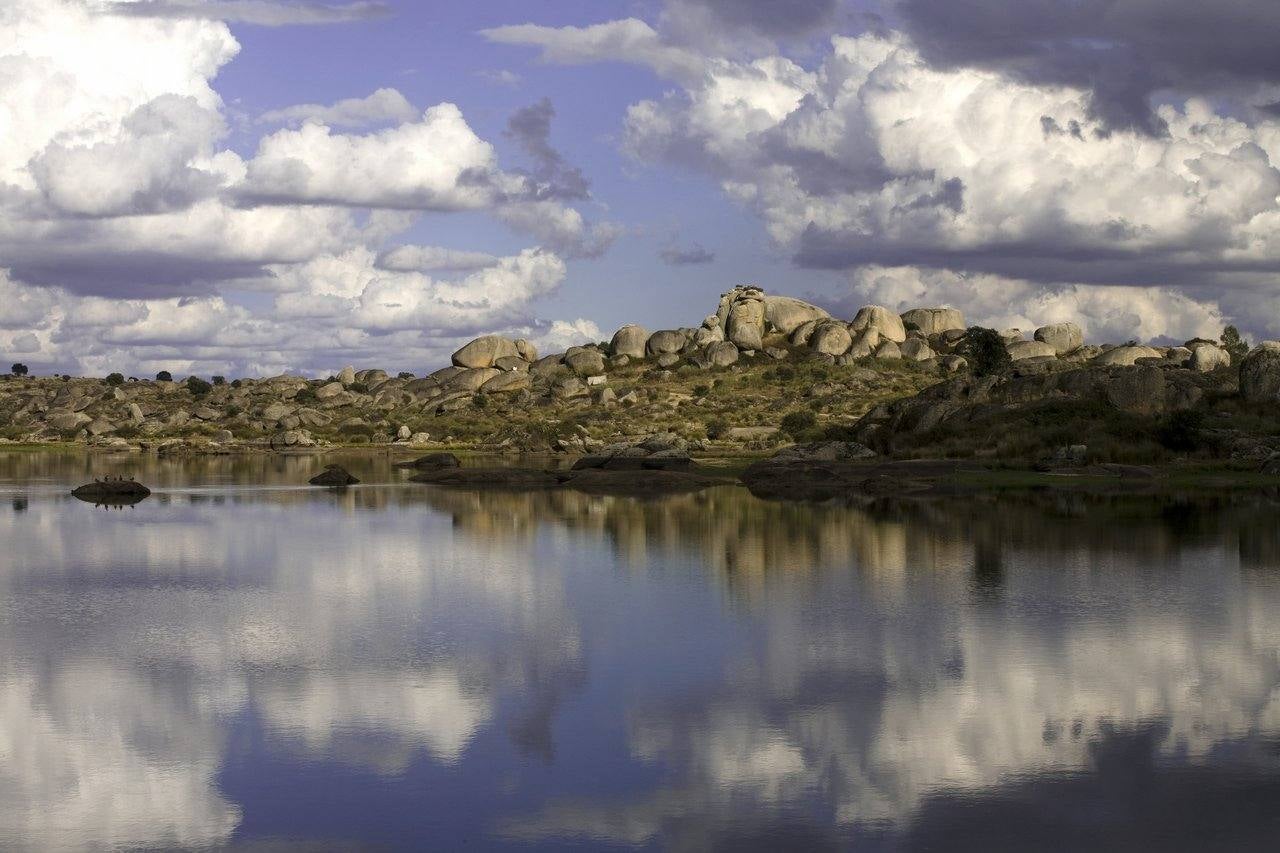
(1082, 260)
(767, 17)
(552, 176)
(137, 275)
(685, 256)
(1124, 51)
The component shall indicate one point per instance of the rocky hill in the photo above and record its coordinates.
(760, 371)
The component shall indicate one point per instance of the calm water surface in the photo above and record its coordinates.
(241, 663)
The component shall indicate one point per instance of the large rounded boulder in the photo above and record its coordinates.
(786, 313)
(1260, 373)
(831, 338)
(1206, 358)
(1126, 356)
(483, 352)
(934, 321)
(722, 354)
(584, 361)
(745, 326)
(665, 341)
(471, 380)
(507, 383)
(1063, 337)
(879, 319)
(629, 341)
(1022, 350)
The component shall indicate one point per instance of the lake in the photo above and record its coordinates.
(240, 662)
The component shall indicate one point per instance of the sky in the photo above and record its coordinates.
(251, 187)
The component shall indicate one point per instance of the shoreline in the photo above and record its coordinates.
(789, 480)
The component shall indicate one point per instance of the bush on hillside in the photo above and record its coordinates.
(984, 350)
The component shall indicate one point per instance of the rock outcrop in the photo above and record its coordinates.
(483, 352)
(1260, 374)
(1126, 356)
(785, 314)
(744, 318)
(934, 321)
(630, 341)
(1146, 390)
(881, 320)
(764, 354)
(1062, 337)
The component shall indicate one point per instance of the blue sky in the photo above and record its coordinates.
(434, 52)
(185, 185)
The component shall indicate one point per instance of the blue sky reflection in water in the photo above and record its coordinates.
(402, 666)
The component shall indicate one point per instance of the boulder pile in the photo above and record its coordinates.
(748, 330)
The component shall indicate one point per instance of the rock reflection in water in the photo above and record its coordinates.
(695, 671)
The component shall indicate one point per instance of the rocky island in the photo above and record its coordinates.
(760, 373)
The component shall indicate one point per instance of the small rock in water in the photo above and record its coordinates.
(432, 462)
(334, 475)
(112, 490)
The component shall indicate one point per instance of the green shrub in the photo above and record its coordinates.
(219, 380)
(1235, 346)
(19, 369)
(716, 428)
(480, 401)
(114, 379)
(358, 388)
(164, 376)
(984, 350)
(404, 375)
(796, 424)
(236, 383)
(701, 390)
(306, 394)
(197, 386)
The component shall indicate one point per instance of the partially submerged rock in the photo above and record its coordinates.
(661, 452)
(824, 451)
(112, 490)
(432, 462)
(334, 475)
(659, 464)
